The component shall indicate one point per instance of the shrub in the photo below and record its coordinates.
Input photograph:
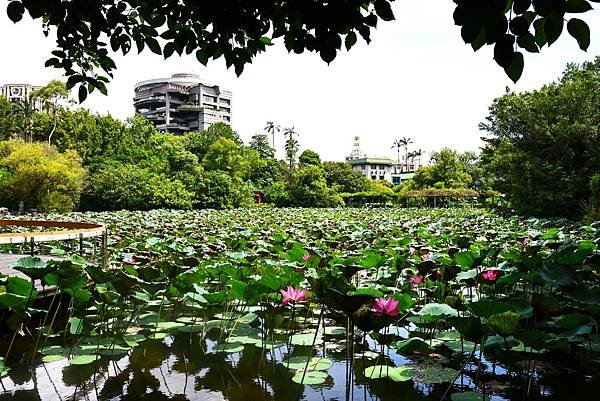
(40, 176)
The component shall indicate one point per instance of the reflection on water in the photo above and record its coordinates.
(188, 367)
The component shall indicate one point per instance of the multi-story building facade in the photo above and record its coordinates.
(182, 103)
(375, 168)
(20, 93)
(383, 168)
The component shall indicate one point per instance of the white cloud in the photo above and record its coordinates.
(417, 78)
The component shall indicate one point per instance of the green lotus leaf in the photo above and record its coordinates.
(83, 359)
(397, 374)
(312, 377)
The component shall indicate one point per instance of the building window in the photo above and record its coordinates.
(225, 101)
(381, 177)
(209, 98)
(363, 167)
(382, 167)
(373, 177)
(373, 167)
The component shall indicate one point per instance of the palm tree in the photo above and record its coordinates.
(291, 150)
(413, 155)
(271, 128)
(405, 141)
(25, 109)
(397, 144)
(291, 145)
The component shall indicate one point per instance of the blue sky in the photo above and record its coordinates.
(416, 78)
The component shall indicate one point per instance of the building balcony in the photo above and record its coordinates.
(190, 107)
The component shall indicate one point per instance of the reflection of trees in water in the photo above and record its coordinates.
(251, 377)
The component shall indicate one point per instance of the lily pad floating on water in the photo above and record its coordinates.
(157, 336)
(469, 396)
(413, 344)
(305, 339)
(335, 331)
(248, 318)
(230, 348)
(227, 316)
(433, 374)
(448, 335)
(312, 377)
(244, 339)
(466, 346)
(169, 325)
(52, 358)
(300, 362)
(83, 359)
(190, 329)
(54, 350)
(397, 374)
(434, 311)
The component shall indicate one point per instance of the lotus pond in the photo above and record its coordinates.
(306, 304)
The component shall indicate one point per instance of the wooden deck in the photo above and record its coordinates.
(7, 259)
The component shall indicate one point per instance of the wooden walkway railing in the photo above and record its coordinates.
(71, 231)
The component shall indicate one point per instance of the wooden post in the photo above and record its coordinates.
(32, 247)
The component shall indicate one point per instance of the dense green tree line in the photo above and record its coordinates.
(111, 164)
(543, 146)
(541, 155)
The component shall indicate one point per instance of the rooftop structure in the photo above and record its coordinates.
(356, 152)
(19, 93)
(182, 103)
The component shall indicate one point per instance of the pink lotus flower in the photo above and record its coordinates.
(418, 279)
(306, 257)
(411, 250)
(382, 306)
(118, 238)
(427, 256)
(490, 275)
(130, 260)
(293, 295)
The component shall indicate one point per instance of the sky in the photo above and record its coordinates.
(416, 79)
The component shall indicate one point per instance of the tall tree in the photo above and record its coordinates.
(24, 110)
(309, 157)
(397, 145)
(51, 95)
(445, 171)
(292, 147)
(416, 154)
(543, 146)
(260, 143)
(272, 128)
(403, 143)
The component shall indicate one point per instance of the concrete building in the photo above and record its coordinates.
(182, 103)
(375, 168)
(19, 93)
(383, 168)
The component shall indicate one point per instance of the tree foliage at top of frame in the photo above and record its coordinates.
(239, 29)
